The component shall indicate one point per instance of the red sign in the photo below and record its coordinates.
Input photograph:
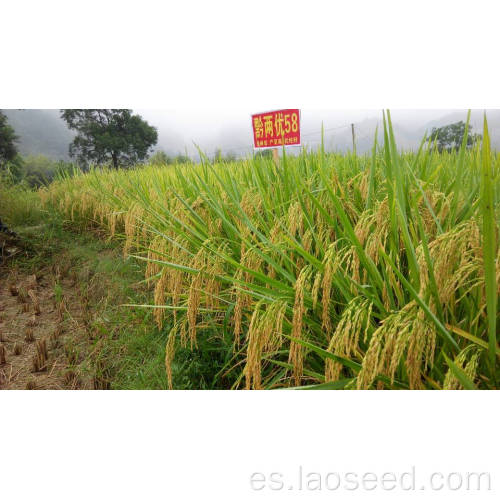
(276, 128)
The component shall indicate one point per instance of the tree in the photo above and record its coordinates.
(228, 157)
(218, 155)
(39, 170)
(8, 139)
(109, 135)
(8, 152)
(159, 158)
(263, 153)
(451, 136)
(181, 159)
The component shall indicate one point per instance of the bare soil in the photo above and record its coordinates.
(62, 320)
(30, 315)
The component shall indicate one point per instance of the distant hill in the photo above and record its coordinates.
(476, 121)
(40, 131)
(409, 137)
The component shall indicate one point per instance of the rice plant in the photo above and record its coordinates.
(326, 271)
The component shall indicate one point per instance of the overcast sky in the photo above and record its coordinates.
(231, 129)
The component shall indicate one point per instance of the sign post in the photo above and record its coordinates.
(274, 129)
(276, 156)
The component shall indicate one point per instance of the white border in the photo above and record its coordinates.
(205, 55)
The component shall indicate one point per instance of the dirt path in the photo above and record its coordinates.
(35, 316)
(63, 324)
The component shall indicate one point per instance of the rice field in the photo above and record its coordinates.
(379, 271)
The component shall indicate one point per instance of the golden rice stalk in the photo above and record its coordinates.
(264, 335)
(372, 230)
(456, 257)
(307, 241)
(132, 218)
(380, 228)
(240, 299)
(170, 281)
(251, 260)
(112, 218)
(276, 233)
(440, 205)
(193, 306)
(498, 271)
(194, 295)
(315, 289)
(212, 285)
(332, 261)
(251, 203)
(363, 184)
(345, 340)
(170, 353)
(156, 250)
(363, 226)
(254, 352)
(175, 288)
(421, 349)
(159, 299)
(372, 362)
(404, 332)
(184, 332)
(296, 354)
(467, 360)
(239, 306)
(295, 219)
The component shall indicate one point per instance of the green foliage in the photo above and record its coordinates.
(219, 157)
(264, 153)
(159, 158)
(113, 136)
(38, 170)
(35, 170)
(181, 159)
(8, 138)
(450, 136)
(19, 206)
(13, 170)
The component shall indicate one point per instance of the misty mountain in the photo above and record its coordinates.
(233, 134)
(40, 131)
(476, 122)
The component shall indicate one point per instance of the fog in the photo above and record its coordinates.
(181, 131)
(42, 131)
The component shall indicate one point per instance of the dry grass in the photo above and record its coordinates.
(41, 357)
